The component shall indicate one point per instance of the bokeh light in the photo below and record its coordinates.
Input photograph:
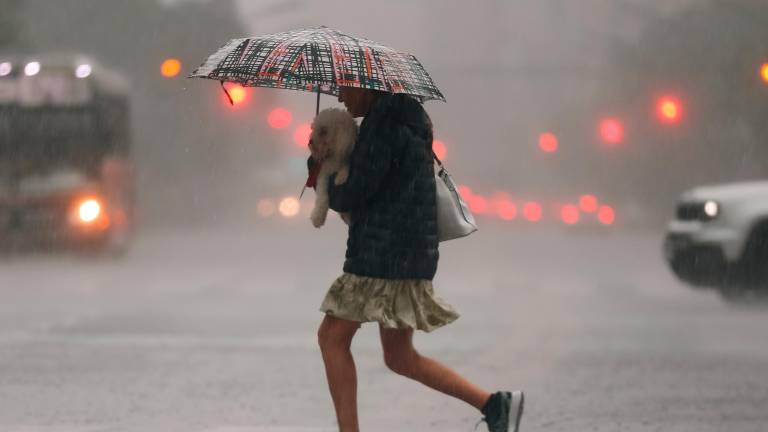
(532, 211)
(465, 192)
(32, 68)
(89, 210)
(611, 131)
(548, 142)
(279, 118)
(764, 72)
(504, 207)
(569, 213)
(238, 94)
(266, 208)
(669, 109)
(289, 207)
(588, 203)
(5, 68)
(439, 149)
(606, 215)
(301, 135)
(478, 204)
(83, 71)
(170, 67)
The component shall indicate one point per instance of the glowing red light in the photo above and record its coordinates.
(439, 148)
(548, 142)
(238, 93)
(506, 210)
(301, 135)
(669, 109)
(569, 213)
(465, 192)
(170, 67)
(478, 204)
(588, 203)
(504, 207)
(611, 131)
(532, 211)
(279, 118)
(606, 215)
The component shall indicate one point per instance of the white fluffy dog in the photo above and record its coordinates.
(333, 136)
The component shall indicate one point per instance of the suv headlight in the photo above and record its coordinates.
(711, 209)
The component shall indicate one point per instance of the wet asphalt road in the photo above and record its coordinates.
(203, 331)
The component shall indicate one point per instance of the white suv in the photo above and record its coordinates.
(719, 237)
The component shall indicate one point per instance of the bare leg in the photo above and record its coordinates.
(402, 358)
(335, 338)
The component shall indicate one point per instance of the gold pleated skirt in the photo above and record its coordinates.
(394, 303)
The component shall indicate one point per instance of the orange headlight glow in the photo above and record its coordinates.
(89, 210)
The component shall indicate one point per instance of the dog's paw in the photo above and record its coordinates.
(341, 176)
(318, 218)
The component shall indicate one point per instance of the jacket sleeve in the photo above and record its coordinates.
(368, 167)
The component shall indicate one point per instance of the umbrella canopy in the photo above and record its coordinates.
(320, 60)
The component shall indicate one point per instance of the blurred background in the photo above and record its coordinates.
(572, 127)
(547, 101)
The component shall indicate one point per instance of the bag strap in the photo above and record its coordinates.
(437, 159)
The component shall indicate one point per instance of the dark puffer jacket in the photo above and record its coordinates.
(390, 193)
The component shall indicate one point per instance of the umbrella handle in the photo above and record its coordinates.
(232, 102)
(317, 106)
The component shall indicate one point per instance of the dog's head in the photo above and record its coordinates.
(333, 134)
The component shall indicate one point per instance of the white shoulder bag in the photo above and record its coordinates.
(454, 220)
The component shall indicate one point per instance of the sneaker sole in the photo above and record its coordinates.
(516, 406)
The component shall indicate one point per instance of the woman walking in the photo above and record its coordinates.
(391, 259)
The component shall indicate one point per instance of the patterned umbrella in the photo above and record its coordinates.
(320, 60)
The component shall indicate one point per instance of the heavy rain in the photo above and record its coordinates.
(160, 271)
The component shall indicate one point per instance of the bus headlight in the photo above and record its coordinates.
(89, 210)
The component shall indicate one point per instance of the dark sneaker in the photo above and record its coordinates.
(502, 411)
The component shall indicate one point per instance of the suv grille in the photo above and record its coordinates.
(691, 211)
